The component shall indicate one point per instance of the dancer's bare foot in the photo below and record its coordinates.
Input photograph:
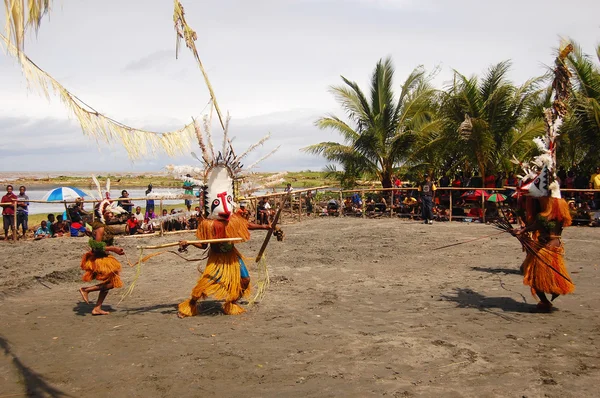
(181, 315)
(99, 311)
(84, 295)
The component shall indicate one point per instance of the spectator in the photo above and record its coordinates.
(476, 181)
(243, 211)
(76, 212)
(147, 226)
(77, 227)
(131, 225)
(356, 200)
(262, 212)
(309, 203)
(333, 208)
(43, 231)
(22, 210)
(427, 189)
(60, 227)
(125, 202)
(288, 188)
(51, 220)
(490, 181)
(139, 215)
(149, 202)
(8, 211)
(595, 184)
(445, 181)
(188, 187)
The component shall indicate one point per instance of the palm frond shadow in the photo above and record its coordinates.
(35, 385)
(468, 298)
(497, 270)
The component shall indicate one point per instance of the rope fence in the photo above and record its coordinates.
(446, 198)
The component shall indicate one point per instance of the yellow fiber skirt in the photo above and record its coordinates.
(221, 279)
(104, 269)
(538, 274)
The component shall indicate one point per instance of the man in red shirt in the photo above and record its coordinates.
(8, 210)
(132, 224)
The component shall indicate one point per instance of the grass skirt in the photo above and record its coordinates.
(222, 280)
(104, 269)
(538, 274)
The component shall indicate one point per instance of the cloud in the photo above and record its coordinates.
(52, 144)
(149, 61)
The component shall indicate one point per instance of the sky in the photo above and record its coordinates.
(271, 63)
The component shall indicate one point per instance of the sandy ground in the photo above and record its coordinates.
(356, 308)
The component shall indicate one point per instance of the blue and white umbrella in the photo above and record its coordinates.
(65, 193)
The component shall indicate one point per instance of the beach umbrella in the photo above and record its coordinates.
(65, 193)
(474, 195)
(496, 197)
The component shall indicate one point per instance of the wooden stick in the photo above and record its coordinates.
(261, 252)
(192, 242)
(15, 221)
(450, 215)
(161, 223)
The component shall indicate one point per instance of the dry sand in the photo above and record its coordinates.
(356, 308)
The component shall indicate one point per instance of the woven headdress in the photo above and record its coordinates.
(221, 173)
(539, 177)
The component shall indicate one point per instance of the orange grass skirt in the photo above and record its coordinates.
(538, 274)
(105, 269)
(221, 279)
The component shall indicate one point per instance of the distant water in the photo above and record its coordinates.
(38, 194)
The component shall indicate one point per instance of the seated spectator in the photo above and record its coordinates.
(125, 202)
(139, 215)
(262, 212)
(131, 225)
(243, 211)
(60, 227)
(150, 214)
(476, 213)
(147, 227)
(333, 207)
(51, 220)
(381, 206)
(42, 232)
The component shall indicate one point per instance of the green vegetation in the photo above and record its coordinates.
(476, 124)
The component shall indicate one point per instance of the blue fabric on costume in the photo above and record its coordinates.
(243, 270)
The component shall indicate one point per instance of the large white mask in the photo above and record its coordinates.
(541, 185)
(219, 194)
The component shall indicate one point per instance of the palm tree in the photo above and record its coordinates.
(382, 129)
(581, 129)
(485, 118)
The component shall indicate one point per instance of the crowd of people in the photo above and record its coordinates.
(421, 202)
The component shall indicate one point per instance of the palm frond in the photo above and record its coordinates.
(138, 143)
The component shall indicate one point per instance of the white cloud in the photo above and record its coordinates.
(270, 63)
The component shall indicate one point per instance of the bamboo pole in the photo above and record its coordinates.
(299, 207)
(342, 204)
(15, 221)
(483, 207)
(362, 198)
(161, 223)
(192, 242)
(450, 215)
(392, 205)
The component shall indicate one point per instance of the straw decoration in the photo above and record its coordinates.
(184, 31)
(138, 143)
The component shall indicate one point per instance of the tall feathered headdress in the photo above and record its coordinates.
(105, 202)
(539, 177)
(221, 172)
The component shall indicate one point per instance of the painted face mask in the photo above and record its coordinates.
(219, 195)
